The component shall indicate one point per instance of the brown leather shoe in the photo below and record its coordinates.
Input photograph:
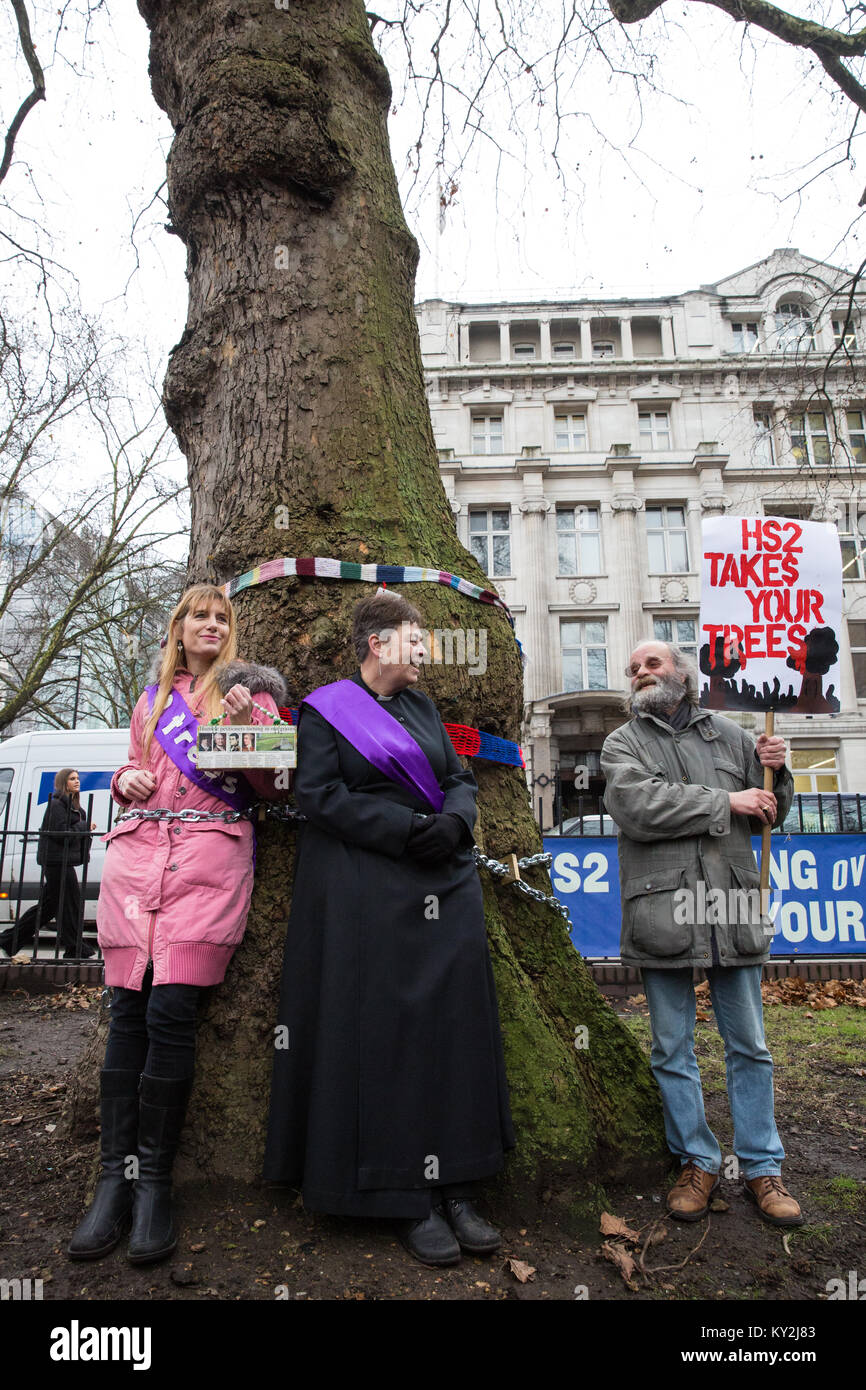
(774, 1201)
(689, 1198)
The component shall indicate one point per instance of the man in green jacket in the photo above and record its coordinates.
(685, 788)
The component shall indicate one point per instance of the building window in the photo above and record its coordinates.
(487, 434)
(678, 632)
(856, 422)
(490, 539)
(667, 540)
(523, 350)
(20, 524)
(853, 547)
(810, 442)
(814, 770)
(845, 334)
(745, 337)
(570, 432)
(584, 656)
(578, 540)
(563, 349)
(795, 331)
(857, 638)
(602, 348)
(765, 448)
(655, 429)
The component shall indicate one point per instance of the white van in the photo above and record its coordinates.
(28, 764)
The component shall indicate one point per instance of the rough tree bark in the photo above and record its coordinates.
(298, 383)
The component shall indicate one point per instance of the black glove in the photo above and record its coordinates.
(435, 839)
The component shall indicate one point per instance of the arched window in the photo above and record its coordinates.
(795, 331)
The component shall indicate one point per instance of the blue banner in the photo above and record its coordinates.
(817, 903)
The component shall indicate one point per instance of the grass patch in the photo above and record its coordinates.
(841, 1194)
(804, 1049)
(815, 1237)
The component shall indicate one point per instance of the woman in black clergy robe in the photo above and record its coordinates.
(388, 1094)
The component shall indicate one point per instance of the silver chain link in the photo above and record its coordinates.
(163, 813)
(500, 870)
(281, 811)
(275, 811)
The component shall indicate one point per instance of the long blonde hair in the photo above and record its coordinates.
(206, 702)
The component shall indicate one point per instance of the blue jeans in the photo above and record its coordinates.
(736, 995)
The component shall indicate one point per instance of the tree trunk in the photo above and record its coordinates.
(298, 384)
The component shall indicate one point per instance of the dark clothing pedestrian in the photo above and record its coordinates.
(64, 842)
(65, 837)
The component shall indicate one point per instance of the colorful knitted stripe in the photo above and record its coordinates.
(472, 743)
(320, 568)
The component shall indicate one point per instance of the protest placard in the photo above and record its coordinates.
(771, 614)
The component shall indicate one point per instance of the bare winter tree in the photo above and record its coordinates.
(297, 386)
(119, 657)
(73, 530)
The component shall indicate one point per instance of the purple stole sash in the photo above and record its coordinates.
(175, 732)
(378, 737)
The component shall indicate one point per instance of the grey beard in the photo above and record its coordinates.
(659, 698)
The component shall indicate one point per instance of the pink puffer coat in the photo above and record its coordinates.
(175, 892)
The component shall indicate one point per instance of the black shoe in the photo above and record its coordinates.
(110, 1210)
(160, 1120)
(474, 1233)
(84, 954)
(430, 1240)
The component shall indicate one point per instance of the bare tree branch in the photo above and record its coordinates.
(38, 93)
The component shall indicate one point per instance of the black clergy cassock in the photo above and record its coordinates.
(393, 1081)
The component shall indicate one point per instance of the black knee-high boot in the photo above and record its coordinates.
(162, 1111)
(109, 1212)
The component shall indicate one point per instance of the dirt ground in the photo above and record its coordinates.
(259, 1244)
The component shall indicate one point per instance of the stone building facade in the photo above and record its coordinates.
(582, 443)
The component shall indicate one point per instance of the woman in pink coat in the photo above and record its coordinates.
(173, 905)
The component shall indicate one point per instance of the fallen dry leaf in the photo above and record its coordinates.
(815, 994)
(619, 1256)
(718, 1204)
(615, 1226)
(521, 1271)
(702, 1017)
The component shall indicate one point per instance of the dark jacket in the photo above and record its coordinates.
(64, 838)
(668, 790)
(392, 1077)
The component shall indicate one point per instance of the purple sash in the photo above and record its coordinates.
(378, 737)
(175, 732)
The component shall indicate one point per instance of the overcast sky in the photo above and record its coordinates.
(697, 190)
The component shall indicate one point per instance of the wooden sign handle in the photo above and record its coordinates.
(769, 727)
